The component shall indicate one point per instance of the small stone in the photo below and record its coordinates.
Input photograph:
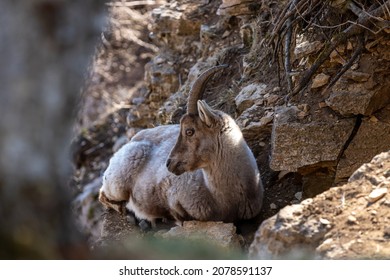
(357, 76)
(373, 119)
(273, 206)
(376, 194)
(322, 105)
(298, 195)
(266, 120)
(249, 95)
(355, 66)
(373, 212)
(306, 48)
(320, 80)
(302, 114)
(304, 107)
(271, 100)
(351, 220)
(349, 46)
(324, 221)
(226, 34)
(262, 144)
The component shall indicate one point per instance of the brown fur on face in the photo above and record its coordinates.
(192, 152)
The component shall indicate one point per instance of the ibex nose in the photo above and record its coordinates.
(168, 162)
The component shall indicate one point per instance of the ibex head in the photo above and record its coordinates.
(199, 129)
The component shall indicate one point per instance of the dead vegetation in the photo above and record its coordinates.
(335, 23)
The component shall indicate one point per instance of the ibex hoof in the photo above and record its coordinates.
(119, 206)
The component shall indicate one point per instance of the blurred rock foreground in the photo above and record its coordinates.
(45, 48)
(307, 82)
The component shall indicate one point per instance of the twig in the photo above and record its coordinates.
(287, 59)
(313, 17)
(348, 65)
(290, 11)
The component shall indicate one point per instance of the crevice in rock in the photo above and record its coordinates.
(355, 130)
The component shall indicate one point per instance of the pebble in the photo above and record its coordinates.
(262, 144)
(302, 115)
(376, 194)
(320, 80)
(324, 221)
(273, 206)
(352, 219)
(322, 105)
(298, 195)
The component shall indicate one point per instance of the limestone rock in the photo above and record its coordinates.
(357, 76)
(371, 139)
(238, 7)
(116, 227)
(218, 233)
(306, 48)
(161, 78)
(320, 80)
(376, 194)
(358, 100)
(332, 225)
(296, 144)
(255, 123)
(361, 92)
(173, 18)
(249, 95)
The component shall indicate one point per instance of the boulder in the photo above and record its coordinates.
(217, 233)
(296, 144)
(372, 138)
(333, 225)
(356, 99)
(362, 91)
(250, 95)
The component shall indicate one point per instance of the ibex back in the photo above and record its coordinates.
(201, 170)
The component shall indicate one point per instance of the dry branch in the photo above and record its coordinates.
(350, 62)
(363, 23)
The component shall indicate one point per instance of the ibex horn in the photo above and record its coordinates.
(198, 88)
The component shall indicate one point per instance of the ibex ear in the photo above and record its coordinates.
(206, 113)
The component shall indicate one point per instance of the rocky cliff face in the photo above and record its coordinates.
(347, 222)
(307, 86)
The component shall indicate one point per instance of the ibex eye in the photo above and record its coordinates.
(190, 131)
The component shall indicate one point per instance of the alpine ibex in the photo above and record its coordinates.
(201, 170)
